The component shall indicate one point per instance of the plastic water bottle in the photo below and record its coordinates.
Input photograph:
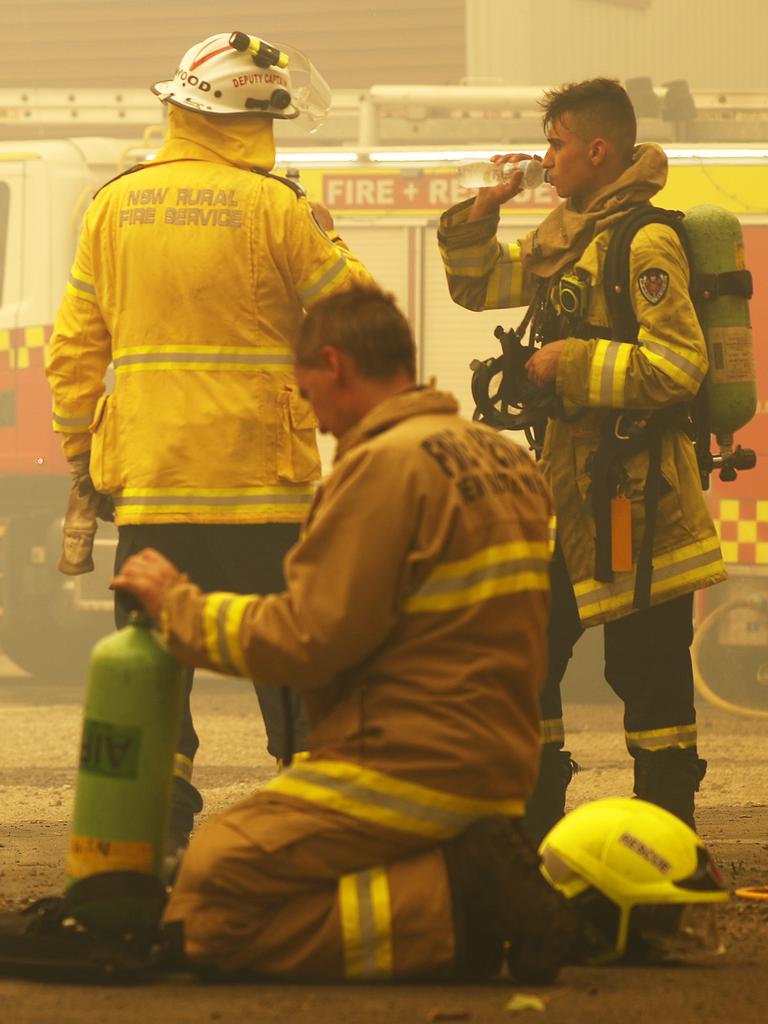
(485, 173)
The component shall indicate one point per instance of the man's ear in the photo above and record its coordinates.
(331, 359)
(598, 151)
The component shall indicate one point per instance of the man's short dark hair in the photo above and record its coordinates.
(599, 107)
(365, 323)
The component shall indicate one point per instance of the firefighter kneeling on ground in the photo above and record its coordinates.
(635, 539)
(414, 623)
(414, 626)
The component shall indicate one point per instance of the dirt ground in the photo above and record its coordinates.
(39, 732)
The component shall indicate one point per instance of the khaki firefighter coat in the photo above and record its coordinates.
(190, 277)
(597, 377)
(413, 623)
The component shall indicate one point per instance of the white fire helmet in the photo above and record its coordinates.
(234, 73)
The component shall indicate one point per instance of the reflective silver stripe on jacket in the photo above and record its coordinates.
(82, 286)
(223, 500)
(307, 294)
(693, 370)
(255, 358)
(72, 421)
(393, 803)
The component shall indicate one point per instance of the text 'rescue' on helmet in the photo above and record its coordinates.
(235, 73)
(639, 877)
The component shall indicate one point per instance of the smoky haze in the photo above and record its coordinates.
(696, 70)
(113, 44)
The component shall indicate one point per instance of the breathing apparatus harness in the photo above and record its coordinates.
(517, 404)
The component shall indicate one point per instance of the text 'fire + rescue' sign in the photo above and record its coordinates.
(417, 192)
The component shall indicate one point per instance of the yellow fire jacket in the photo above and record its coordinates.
(191, 277)
(414, 622)
(597, 377)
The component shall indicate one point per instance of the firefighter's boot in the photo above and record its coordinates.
(186, 802)
(501, 899)
(670, 779)
(546, 805)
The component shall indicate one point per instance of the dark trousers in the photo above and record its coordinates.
(241, 559)
(647, 665)
(647, 658)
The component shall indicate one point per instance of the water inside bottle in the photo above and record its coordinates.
(486, 173)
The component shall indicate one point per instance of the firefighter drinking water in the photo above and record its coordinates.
(191, 277)
(634, 538)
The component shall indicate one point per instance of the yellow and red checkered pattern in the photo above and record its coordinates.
(23, 348)
(742, 525)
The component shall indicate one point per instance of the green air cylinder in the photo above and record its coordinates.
(717, 246)
(131, 725)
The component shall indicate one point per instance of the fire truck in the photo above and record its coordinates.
(386, 199)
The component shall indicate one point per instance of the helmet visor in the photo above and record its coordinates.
(681, 932)
(310, 93)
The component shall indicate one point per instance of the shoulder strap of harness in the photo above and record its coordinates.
(122, 174)
(616, 271)
(294, 186)
(613, 447)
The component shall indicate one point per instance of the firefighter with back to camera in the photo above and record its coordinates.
(191, 277)
(634, 538)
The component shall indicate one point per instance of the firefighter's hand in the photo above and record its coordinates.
(323, 216)
(84, 507)
(542, 366)
(489, 200)
(150, 577)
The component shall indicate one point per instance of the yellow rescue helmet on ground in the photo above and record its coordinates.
(642, 879)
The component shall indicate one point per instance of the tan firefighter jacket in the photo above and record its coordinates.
(190, 277)
(596, 377)
(413, 622)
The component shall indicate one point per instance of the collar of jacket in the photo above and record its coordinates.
(242, 141)
(565, 233)
(420, 401)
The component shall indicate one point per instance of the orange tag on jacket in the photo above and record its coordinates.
(621, 534)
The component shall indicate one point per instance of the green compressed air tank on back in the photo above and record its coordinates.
(130, 730)
(717, 246)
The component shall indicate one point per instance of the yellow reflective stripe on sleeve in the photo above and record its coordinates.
(552, 731)
(663, 739)
(199, 357)
(323, 280)
(81, 285)
(491, 572)
(182, 767)
(370, 795)
(505, 287)
(222, 615)
(684, 569)
(471, 260)
(552, 535)
(672, 362)
(608, 373)
(366, 923)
